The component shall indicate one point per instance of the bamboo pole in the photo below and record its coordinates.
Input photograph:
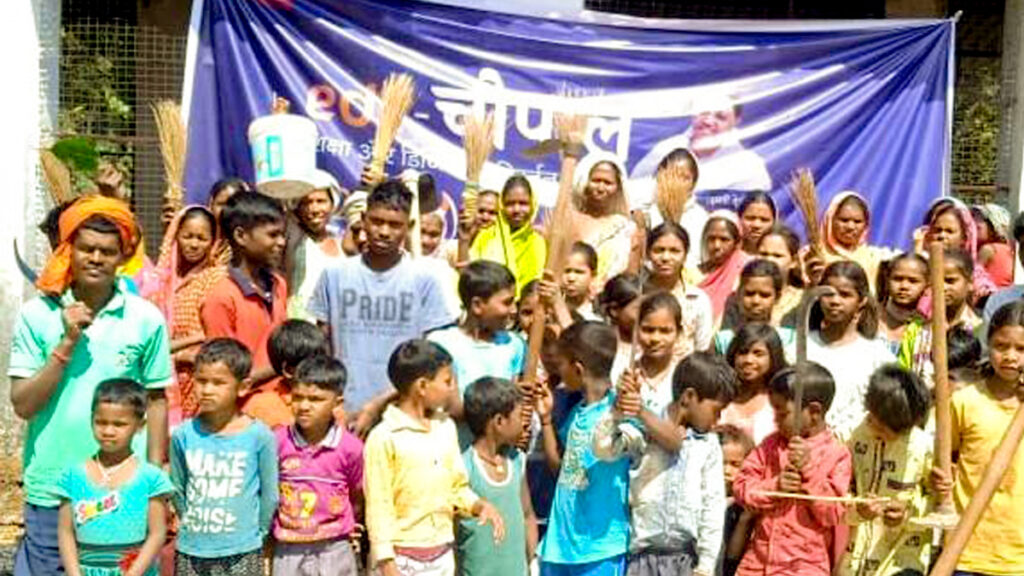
(944, 516)
(816, 498)
(570, 132)
(993, 476)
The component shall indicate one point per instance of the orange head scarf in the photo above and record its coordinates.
(56, 275)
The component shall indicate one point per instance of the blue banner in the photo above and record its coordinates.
(865, 105)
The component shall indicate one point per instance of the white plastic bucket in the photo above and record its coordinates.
(283, 148)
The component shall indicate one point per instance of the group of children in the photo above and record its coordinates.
(660, 434)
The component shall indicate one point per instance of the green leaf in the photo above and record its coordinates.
(77, 152)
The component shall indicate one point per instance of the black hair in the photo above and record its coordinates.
(709, 375)
(1018, 227)
(1009, 314)
(231, 352)
(199, 212)
(390, 194)
(680, 155)
(669, 229)
(819, 386)
(619, 292)
(248, 210)
(964, 348)
(225, 184)
(516, 180)
(734, 230)
(486, 398)
(898, 398)
(483, 279)
(792, 244)
(752, 333)
(661, 301)
(102, 225)
(51, 223)
(867, 324)
(415, 359)
(733, 434)
(588, 253)
(322, 371)
(123, 392)
(885, 269)
(294, 341)
(762, 268)
(592, 344)
(529, 289)
(961, 260)
(758, 197)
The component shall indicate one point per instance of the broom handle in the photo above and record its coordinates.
(943, 426)
(993, 476)
(558, 236)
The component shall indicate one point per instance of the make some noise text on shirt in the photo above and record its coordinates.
(214, 479)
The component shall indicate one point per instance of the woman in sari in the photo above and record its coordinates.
(995, 244)
(950, 221)
(722, 260)
(844, 230)
(512, 240)
(601, 213)
(185, 272)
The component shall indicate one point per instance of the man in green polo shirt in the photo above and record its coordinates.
(85, 328)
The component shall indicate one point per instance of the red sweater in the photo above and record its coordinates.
(792, 536)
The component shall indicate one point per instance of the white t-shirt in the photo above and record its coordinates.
(851, 365)
(370, 313)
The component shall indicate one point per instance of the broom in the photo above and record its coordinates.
(478, 140)
(569, 129)
(57, 176)
(396, 99)
(805, 195)
(673, 192)
(173, 139)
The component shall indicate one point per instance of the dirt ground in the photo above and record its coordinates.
(10, 511)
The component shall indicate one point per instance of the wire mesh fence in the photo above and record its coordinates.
(112, 71)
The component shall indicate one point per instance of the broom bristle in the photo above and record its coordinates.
(396, 97)
(805, 195)
(673, 192)
(478, 140)
(57, 176)
(173, 143)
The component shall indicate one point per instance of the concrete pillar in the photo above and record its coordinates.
(1012, 134)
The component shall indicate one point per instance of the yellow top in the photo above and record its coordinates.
(897, 469)
(415, 481)
(979, 422)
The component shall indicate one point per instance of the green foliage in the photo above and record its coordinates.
(78, 153)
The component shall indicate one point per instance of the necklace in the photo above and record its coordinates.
(107, 474)
(497, 462)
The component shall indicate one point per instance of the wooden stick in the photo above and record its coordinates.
(813, 498)
(570, 131)
(943, 418)
(993, 476)
(811, 296)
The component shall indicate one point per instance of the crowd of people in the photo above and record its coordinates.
(278, 393)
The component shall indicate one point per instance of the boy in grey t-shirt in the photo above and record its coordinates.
(374, 301)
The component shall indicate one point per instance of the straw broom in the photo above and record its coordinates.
(396, 97)
(478, 140)
(673, 192)
(57, 176)
(569, 129)
(173, 141)
(805, 195)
